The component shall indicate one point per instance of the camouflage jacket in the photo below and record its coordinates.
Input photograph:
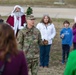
(28, 40)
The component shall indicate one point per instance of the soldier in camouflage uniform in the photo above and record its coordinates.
(28, 40)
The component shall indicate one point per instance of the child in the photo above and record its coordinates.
(66, 36)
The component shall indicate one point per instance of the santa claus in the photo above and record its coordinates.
(17, 19)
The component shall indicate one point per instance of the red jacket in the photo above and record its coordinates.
(10, 20)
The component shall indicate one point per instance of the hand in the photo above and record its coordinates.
(62, 36)
(45, 42)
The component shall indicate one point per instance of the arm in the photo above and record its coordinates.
(10, 20)
(39, 39)
(38, 26)
(53, 32)
(39, 35)
(61, 34)
(23, 20)
(20, 39)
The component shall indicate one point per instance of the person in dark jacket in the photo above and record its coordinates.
(12, 60)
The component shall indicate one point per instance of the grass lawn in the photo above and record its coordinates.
(55, 66)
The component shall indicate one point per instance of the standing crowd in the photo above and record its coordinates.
(24, 46)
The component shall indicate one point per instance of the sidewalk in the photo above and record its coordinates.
(40, 11)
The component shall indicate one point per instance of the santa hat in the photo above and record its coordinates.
(12, 13)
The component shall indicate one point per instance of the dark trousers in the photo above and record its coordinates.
(17, 32)
(65, 52)
(74, 46)
(44, 55)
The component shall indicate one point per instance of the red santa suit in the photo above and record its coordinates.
(17, 22)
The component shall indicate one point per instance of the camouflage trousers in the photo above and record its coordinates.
(33, 65)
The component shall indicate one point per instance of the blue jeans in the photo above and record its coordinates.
(65, 52)
(44, 55)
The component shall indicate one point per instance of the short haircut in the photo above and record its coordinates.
(66, 22)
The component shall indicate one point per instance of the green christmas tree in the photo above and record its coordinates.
(29, 11)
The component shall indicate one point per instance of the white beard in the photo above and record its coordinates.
(18, 14)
